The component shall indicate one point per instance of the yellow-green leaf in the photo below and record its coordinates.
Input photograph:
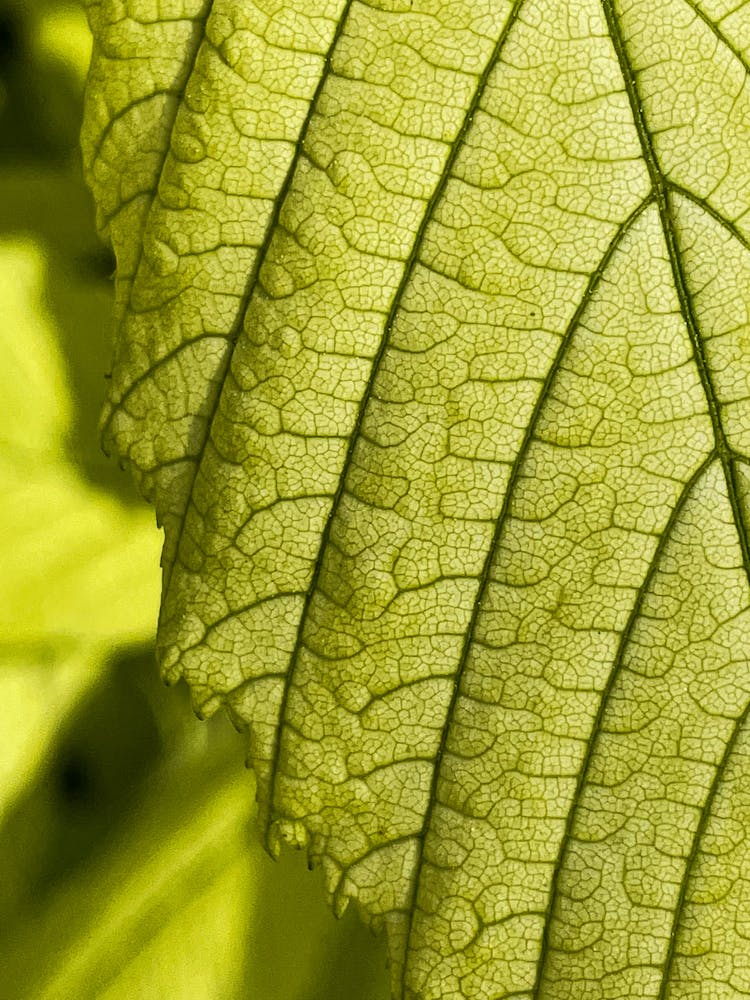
(434, 353)
(78, 566)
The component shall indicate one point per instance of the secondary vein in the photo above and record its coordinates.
(596, 729)
(384, 343)
(501, 522)
(662, 192)
(252, 281)
(169, 129)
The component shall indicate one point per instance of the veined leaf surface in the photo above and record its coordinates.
(434, 354)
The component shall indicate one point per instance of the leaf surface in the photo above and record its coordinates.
(434, 355)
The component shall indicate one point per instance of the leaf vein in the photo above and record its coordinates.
(500, 523)
(721, 37)
(726, 456)
(597, 727)
(409, 266)
(254, 276)
(169, 127)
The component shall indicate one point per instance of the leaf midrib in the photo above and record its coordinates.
(661, 193)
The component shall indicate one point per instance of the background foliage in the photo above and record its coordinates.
(129, 861)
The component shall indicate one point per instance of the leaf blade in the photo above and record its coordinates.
(426, 518)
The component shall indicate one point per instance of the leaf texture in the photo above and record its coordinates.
(434, 354)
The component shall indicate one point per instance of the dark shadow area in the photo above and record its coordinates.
(128, 735)
(129, 732)
(94, 775)
(40, 110)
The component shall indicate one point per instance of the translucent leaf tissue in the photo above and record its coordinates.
(433, 353)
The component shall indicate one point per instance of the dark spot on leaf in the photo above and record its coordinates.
(73, 780)
(10, 40)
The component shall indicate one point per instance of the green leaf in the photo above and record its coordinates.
(112, 885)
(434, 354)
(78, 566)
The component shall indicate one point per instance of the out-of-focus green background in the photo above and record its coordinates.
(130, 866)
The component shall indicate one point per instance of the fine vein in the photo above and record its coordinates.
(252, 281)
(501, 523)
(384, 342)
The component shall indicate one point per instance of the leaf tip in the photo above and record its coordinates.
(273, 842)
(340, 901)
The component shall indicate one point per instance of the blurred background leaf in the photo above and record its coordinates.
(129, 861)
